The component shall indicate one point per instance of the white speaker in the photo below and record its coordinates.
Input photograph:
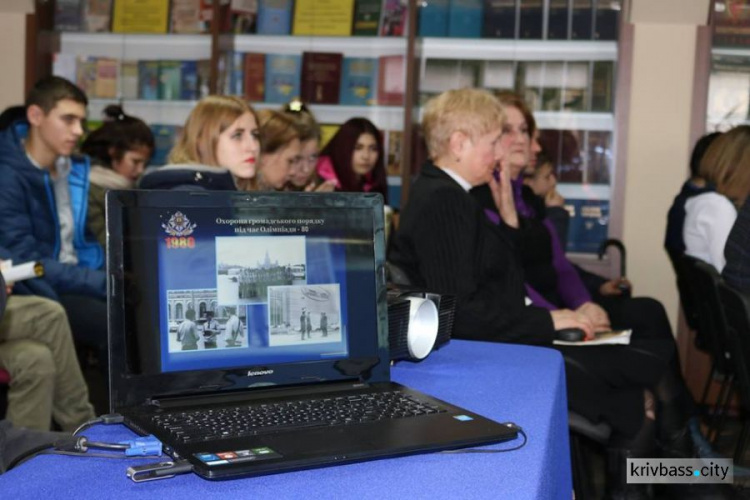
(412, 327)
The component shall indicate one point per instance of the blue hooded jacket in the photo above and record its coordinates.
(29, 225)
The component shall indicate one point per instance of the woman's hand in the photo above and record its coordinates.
(598, 316)
(502, 194)
(565, 318)
(615, 287)
(324, 187)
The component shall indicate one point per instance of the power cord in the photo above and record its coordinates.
(109, 418)
(79, 445)
(483, 450)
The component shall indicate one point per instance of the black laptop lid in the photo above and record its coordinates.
(300, 273)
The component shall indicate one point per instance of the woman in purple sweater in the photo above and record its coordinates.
(553, 283)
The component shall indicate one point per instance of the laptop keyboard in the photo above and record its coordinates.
(249, 420)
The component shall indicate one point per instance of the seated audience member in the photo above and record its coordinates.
(36, 348)
(217, 150)
(547, 201)
(354, 159)
(282, 149)
(695, 185)
(552, 282)
(737, 251)
(119, 151)
(43, 206)
(447, 244)
(303, 176)
(710, 216)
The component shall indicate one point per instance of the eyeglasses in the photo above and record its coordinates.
(306, 162)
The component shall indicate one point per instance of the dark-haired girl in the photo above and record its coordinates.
(119, 151)
(354, 158)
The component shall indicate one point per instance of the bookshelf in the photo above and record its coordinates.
(569, 84)
(729, 80)
(529, 66)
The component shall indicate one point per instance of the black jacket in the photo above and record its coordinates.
(446, 244)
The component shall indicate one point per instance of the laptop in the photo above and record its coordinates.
(248, 333)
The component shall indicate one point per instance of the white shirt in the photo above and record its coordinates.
(68, 253)
(460, 180)
(709, 218)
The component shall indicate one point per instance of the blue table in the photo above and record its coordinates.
(522, 384)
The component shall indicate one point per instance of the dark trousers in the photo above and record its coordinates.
(88, 322)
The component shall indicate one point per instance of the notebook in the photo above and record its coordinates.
(257, 317)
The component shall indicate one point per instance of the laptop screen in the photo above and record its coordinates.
(243, 289)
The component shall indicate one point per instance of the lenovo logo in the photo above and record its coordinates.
(259, 373)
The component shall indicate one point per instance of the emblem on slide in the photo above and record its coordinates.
(179, 225)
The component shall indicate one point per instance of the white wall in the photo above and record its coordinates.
(658, 136)
(12, 50)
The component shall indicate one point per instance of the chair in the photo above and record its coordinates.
(582, 430)
(737, 310)
(703, 283)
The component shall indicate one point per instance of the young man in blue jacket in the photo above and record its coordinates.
(43, 205)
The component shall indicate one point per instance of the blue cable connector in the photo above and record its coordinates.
(143, 447)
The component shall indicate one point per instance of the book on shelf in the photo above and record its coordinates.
(551, 99)
(140, 16)
(366, 19)
(148, 80)
(237, 78)
(274, 17)
(97, 16)
(499, 19)
(465, 19)
(323, 17)
(68, 15)
(395, 18)
(393, 144)
(497, 75)
(129, 79)
(327, 131)
(731, 23)
(391, 80)
(446, 74)
(606, 19)
(565, 148)
(105, 85)
(170, 80)
(602, 86)
(282, 77)
(558, 15)
(243, 17)
(581, 19)
(185, 17)
(255, 76)
(530, 19)
(599, 157)
(65, 65)
(203, 66)
(165, 137)
(86, 74)
(189, 87)
(433, 18)
(321, 77)
(359, 81)
(575, 87)
(589, 223)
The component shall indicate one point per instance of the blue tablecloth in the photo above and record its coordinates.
(520, 384)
